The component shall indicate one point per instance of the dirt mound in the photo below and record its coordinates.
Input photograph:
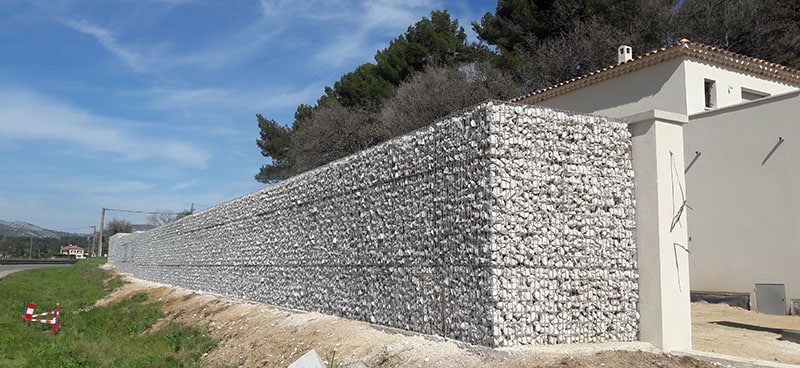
(258, 335)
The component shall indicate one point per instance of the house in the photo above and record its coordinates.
(740, 137)
(73, 250)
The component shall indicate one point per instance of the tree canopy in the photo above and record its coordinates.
(115, 226)
(543, 42)
(768, 30)
(275, 141)
(160, 218)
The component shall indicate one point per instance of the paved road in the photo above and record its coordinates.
(7, 269)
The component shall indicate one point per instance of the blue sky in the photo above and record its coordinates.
(150, 104)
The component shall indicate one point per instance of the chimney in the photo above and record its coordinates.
(625, 53)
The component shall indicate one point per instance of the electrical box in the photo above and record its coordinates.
(771, 298)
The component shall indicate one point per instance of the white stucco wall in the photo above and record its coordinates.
(675, 85)
(657, 87)
(743, 189)
(729, 84)
(657, 141)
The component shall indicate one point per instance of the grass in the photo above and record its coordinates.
(118, 335)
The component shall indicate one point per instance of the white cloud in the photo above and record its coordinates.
(109, 42)
(85, 185)
(278, 97)
(228, 49)
(28, 116)
(370, 23)
(176, 97)
(183, 185)
(355, 29)
(224, 50)
(278, 8)
(386, 14)
(285, 10)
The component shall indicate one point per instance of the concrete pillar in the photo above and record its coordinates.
(661, 235)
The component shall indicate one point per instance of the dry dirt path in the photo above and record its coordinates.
(258, 335)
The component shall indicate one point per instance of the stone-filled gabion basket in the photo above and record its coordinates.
(501, 225)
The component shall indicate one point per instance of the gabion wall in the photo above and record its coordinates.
(501, 225)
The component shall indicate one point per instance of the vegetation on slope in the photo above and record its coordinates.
(117, 335)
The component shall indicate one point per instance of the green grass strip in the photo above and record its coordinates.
(118, 335)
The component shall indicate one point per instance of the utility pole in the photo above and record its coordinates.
(30, 250)
(100, 244)
(94, 237)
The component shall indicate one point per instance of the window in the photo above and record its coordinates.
(751, 94)
(709, 87)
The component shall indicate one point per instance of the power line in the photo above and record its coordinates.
(144, 212)
(152, 212)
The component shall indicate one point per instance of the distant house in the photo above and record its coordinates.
(740, 131)
(73, 250)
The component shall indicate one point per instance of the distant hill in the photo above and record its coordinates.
(15, 228)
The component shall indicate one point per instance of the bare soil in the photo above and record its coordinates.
(259, 335)
(719, 328)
